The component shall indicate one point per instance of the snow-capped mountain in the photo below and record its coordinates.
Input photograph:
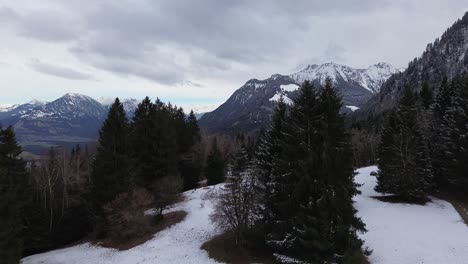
(251, 106)
(129, 104)
(370, 78)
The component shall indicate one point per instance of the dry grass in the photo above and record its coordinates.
(167, 221)
(223, 248)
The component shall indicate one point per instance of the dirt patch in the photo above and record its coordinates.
(459, 201)
(167, 221)
(402, 200)
(223, 248)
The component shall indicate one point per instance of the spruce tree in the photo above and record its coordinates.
(267, 153)
(405, 160)
(190, 166)
(110, 173)
(142, 138)
(13, 177)
(215, 165)
(426, 96)
(316, 220)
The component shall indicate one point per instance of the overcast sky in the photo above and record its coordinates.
(196, 53)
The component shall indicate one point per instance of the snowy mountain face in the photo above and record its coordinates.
(251, 106)
(370, 79)
(447, 56)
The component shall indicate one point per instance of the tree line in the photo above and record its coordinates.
(139, 164)
(424, 143)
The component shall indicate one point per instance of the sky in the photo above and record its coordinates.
(197, 53)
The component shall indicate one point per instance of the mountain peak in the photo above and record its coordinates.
(370, 78)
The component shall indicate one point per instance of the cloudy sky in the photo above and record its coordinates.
(196, 53)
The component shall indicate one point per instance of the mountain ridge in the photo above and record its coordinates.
(250, 107)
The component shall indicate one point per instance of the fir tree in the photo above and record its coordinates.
(266, 154)
(316, 220)
(142, 138)
(215, 166)
(110, 174)
(190, 166)
(426, 96)
(12, 179)
(405, 161)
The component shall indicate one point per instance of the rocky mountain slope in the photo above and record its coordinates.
(251, 106)
(70, 118)
(447, 56)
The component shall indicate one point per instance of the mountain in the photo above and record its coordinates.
(251, 106)
(71, 119)
(447, 56)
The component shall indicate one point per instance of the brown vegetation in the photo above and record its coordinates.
(167, 221)
(223, 248)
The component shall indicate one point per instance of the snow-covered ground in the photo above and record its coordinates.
(179, 244)
(409, 234)
(398, 234)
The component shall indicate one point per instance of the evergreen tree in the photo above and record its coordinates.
(267, 153)
(215, 165)
(450, 135)
(405, 160)
(110, 174)
(12, 179)
(190, 166)
(142, 138)
(426, 96)
(316, 220)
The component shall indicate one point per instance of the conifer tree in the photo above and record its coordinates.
(110, 174)
(142, 138)
(316, 220)
(426, 96)
(215, 165)
(405, 160)
(267, 153)
(13, 177)
(190, 166)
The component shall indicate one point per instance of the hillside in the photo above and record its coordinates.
(447, 57)
(397, 233)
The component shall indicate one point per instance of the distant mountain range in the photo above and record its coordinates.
(251, 106)
(72, 118)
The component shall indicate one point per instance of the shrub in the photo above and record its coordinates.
(125, 215)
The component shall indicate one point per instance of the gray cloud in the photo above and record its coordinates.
(172, 42)
(59, 71)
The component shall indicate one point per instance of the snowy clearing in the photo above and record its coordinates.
(404, 233)
(398, 233)
(179, 244)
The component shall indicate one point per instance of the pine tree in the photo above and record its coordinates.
(426, 96)
(13, 178)
(190, 166)
(215, 165)
(316, 220)
(110, 174)
(405, 160)
(142, 138)
(266, 154)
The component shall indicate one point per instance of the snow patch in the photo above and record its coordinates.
(179, 244)
(352, 107)
(289, 87)
(405, 233)
(277, 97)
